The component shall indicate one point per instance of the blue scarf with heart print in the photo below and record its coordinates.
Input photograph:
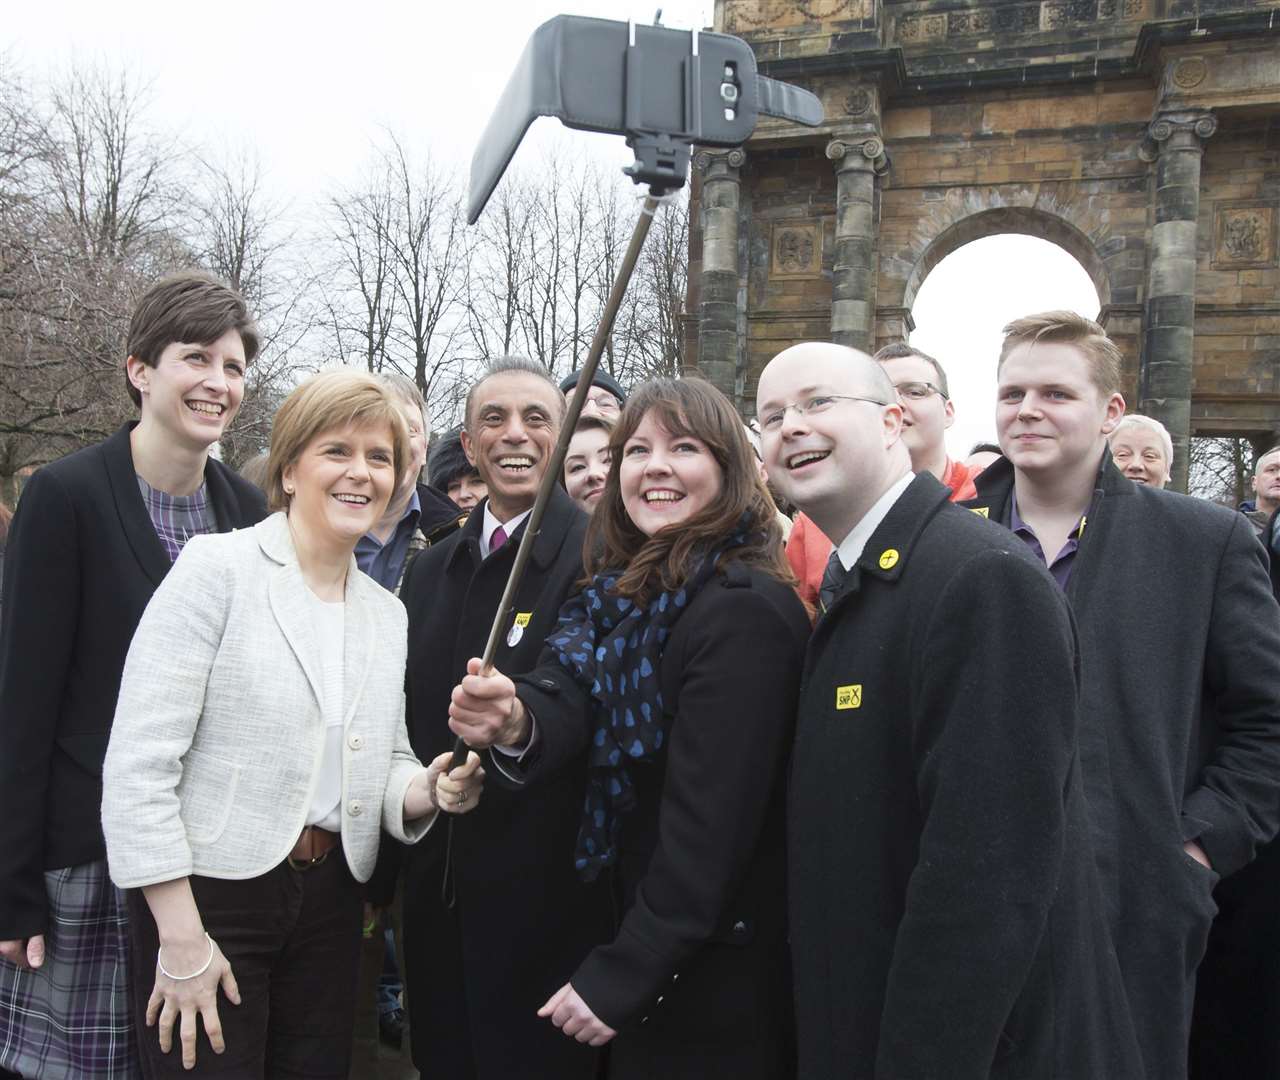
(613, 647)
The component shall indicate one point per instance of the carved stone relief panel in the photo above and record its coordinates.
(745, 16)
(796, 250)
(1244, 235)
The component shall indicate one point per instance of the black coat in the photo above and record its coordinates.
(697, 981)
(1180, 724)
(1235, 1029)
(82, 561)
(946, 918)
(522, 922)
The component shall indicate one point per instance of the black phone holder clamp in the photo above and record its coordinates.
(664, 90)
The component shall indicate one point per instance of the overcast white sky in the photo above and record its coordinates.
(309, 87)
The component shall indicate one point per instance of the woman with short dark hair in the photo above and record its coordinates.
(94, 535)
(676, 671)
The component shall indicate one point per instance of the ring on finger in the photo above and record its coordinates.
(462, 797)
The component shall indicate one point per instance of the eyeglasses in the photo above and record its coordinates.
(814, 406)
(918, 391)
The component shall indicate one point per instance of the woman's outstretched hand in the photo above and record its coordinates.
(485, 711)
(574, 1017)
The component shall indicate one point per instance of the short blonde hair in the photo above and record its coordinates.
(332, 399)
(1068, 328)
(1138, 420)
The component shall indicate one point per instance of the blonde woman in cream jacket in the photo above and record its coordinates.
(257, 748)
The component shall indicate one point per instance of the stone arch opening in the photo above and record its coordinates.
(1026, 221)
(969, 296)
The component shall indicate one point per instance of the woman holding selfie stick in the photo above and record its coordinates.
(676, 671)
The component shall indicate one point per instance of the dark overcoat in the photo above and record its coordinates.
(1235, 1029)
(697, 981)
(486, 945)
(83, 560)
(946, 918)
(1180, 725)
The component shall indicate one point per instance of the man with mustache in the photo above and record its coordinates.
(495, 917)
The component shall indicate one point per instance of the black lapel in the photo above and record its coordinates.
(466, 551)
(134, 519)
(227, 508)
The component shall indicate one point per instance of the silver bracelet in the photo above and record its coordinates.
(194, 974)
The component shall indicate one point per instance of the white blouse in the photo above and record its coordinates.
(330, 628)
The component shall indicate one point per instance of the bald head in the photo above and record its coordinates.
(830, 432)
(846, 371)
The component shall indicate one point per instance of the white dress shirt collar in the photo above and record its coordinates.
(851, 546)
(491, 524)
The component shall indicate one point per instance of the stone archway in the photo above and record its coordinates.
(961, 221)
(1024, 220)
(1138, 137)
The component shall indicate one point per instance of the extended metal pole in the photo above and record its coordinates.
(556, 463)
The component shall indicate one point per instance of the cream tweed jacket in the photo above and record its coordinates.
(218, 735)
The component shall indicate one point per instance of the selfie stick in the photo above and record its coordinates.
(556, 462)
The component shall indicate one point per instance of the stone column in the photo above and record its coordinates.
(718, 309)
(1175, 142)
(859, 158)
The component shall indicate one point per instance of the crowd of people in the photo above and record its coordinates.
(954, 769)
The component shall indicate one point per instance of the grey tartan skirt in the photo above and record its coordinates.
(71, 1020)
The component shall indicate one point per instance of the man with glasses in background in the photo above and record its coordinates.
(927, 412)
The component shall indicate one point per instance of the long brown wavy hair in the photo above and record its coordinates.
(660, 563)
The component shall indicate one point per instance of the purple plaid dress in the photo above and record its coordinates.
(72, 1019)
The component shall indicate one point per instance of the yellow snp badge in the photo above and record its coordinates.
(849, 697)
(981, 511)
(517, 628)
(889, 559)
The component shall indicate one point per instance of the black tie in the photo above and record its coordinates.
(833, 579)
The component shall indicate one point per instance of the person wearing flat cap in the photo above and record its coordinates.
(605, 398)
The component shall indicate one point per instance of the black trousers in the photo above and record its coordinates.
(293, 940)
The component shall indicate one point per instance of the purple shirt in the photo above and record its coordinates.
(177, 518)
(1061, 566)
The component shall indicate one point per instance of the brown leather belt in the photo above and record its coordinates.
(312, 848)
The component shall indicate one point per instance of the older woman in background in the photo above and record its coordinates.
(1142, 450)
(258, 744)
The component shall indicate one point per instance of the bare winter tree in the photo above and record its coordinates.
(547, 253)
(497, 270)
(359, 299)
(1219, 468)
(430, 274)
(397, 299)
(86, 227)
(238, 237)
(647, 337)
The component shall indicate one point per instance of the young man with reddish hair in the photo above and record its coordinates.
(1179, 657)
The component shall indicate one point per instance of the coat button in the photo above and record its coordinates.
(661, 999)
(547, 684)
(355, 808)
(356, 742)
(739, 928)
